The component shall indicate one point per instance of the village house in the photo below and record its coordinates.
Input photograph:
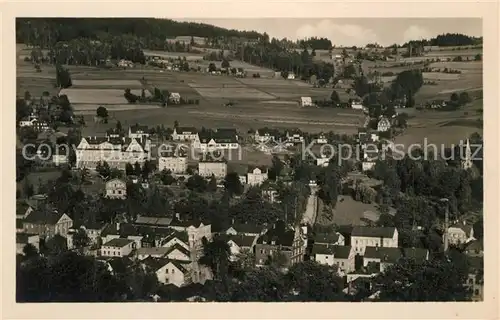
(340, 256)
(320, 139)
(208, 167)
(370, 158)
(291, 76)
(294, 137)
(23, 209)
(93, 231)
(240, 244)
(474, 248)
(185, 134)
(270, 194)
(281, 239)
(173, 163)
(178, 252)
(118, 247)
(168, 271)
(265, 134)
(22, 239)
(333, 238)
(125, 63)
(157, 222)
(362, 237)
(176, 238)
(460, 233)
(356, 104)
(196, 231)
(306, 102)
(116, 189)
(387, 256)
(384, 124)
(138, 132)
(256, 175)
(219, 140)
(36, 124)
(154, 252)
(175, 97)
(116, 152)
(245, 229)
(323, 160)
(47, 223)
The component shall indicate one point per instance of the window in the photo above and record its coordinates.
(166, 271)
(119, 192)
(173, 271)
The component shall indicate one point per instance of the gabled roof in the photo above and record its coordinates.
(22, 237)
(342, 252)
(339, 252)
(251, 168)
(182, 236)
(119, 265)
(181, 265)
(21, 207)
(41, 216)
(247, 228)
(114, 180)
(373, 232)
(279, 234)
(181, 130)
(187, 223)
(152, 251)
(135, 128)
(155, 263)
(218, 137)
(268, 131)
(118, 242)
(153, 221)
(465, 227)
(329, 238)
(180, 248)
(242, 241)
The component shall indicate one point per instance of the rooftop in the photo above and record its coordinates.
(118, 242)
(373, 232)
(242, 241)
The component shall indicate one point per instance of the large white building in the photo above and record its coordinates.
(138, 132)
(256, 176)
(209, 167)
(362, 237)
(222, 139)
(118, 247)
(173, 164)
(185, 134)
(117, 152)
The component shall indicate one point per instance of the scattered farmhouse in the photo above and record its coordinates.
(175, 98)
(306, 102)
(116, 189)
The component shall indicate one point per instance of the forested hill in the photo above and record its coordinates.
(451, 39)
(65, 29)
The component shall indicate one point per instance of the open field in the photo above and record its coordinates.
(233, 93)
(95, 96)
(440, 76)
(106, 83)
(347, 212)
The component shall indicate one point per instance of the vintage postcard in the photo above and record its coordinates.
(169, 158)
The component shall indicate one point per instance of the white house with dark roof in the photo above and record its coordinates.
(172, 163)
(168, 271)
(196, 230)
(387, 256)
(266, 134)
(218, 140)
(118, 247)
(306, 102)
(175, 97)
(178, 252)
(240, 244)
(333, 238)
(384, 124)
(208, 167)
(116, 189)
(460, 233)
(362, 237)
(185, 134)
(138, 132)
(341, 256)
(256, 175)
(154, 252)
(245, 229)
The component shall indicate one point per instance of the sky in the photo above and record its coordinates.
(353, 31)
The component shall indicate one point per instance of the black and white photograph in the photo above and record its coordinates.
(249, 159)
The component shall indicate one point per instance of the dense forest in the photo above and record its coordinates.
(66, 29)
(451, 39)
(316, 43)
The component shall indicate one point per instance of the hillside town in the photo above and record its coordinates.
(180, 208)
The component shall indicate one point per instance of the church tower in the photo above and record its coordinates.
(467, 161)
